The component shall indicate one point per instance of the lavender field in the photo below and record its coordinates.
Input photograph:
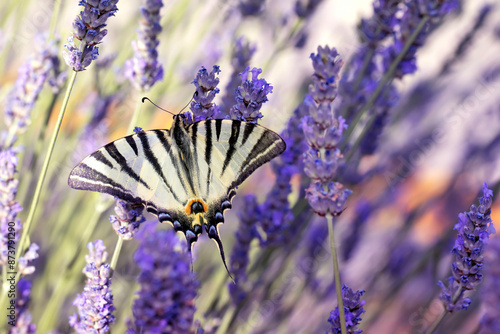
(384, 201)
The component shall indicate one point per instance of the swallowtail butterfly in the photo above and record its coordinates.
(186, 175)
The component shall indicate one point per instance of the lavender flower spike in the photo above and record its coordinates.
(89, 30)
(23, 317)
(95, 304)
(474, 229)
(250, 96)
(353, 308)
(39, 68)
(24, 261)
(251, 7)
(240, 254)
(165, 302)
(202, 107)
(323, 132)
(144, 70)
(127, 220)
(490, 323)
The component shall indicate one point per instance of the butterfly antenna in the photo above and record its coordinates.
(195, 94)
(157, 106)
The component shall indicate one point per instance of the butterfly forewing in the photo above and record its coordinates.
(136, 168)
(228, 151)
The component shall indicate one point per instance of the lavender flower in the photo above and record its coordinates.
(381, 25)
(250, 96)
(127, 220)
(323, 132)
(39, 68)
(490, 323)
(251, 7)
(24, 261)
(23, 323)
(411, 17)
(397, 21)
(89, 30)
(313, 250)
(202, 107)
(363, 211)
(305, 8)
(353, 308)
(240, 59)
(143, 70)
(474, 228)
(95, 304)
(9, 208)
(239, 256)
(165, 302)
(276, 214)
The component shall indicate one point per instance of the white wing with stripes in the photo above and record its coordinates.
(185, 175)
(141, 168)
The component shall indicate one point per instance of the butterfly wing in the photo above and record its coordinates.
(226, 152)
(134, 169)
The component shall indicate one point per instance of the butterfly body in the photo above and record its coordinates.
(186, 175)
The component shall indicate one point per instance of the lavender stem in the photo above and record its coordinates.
(336, 274)
(116, 253)
(45, 166)
(54, 18)
(436, 323)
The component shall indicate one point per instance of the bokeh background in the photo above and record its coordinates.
(396, 234)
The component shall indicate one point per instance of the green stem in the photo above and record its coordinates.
(336, 274)
(45, 166)
(227, 320)
(436, 323)
(116, 253)
(381, 85)
(55, 16)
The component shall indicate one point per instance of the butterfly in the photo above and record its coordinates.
(186, 175)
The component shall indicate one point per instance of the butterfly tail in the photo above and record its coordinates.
(213, 233)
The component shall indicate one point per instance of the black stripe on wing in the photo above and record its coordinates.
(269, 146)
(153, 160)
(247, 132)
(133, 145)
(101, 158)
(218, 127)
(85, 178)
(208, 142)
(120, 160)
(233, 140)
(167, 147)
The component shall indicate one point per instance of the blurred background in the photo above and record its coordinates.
(440, 143)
